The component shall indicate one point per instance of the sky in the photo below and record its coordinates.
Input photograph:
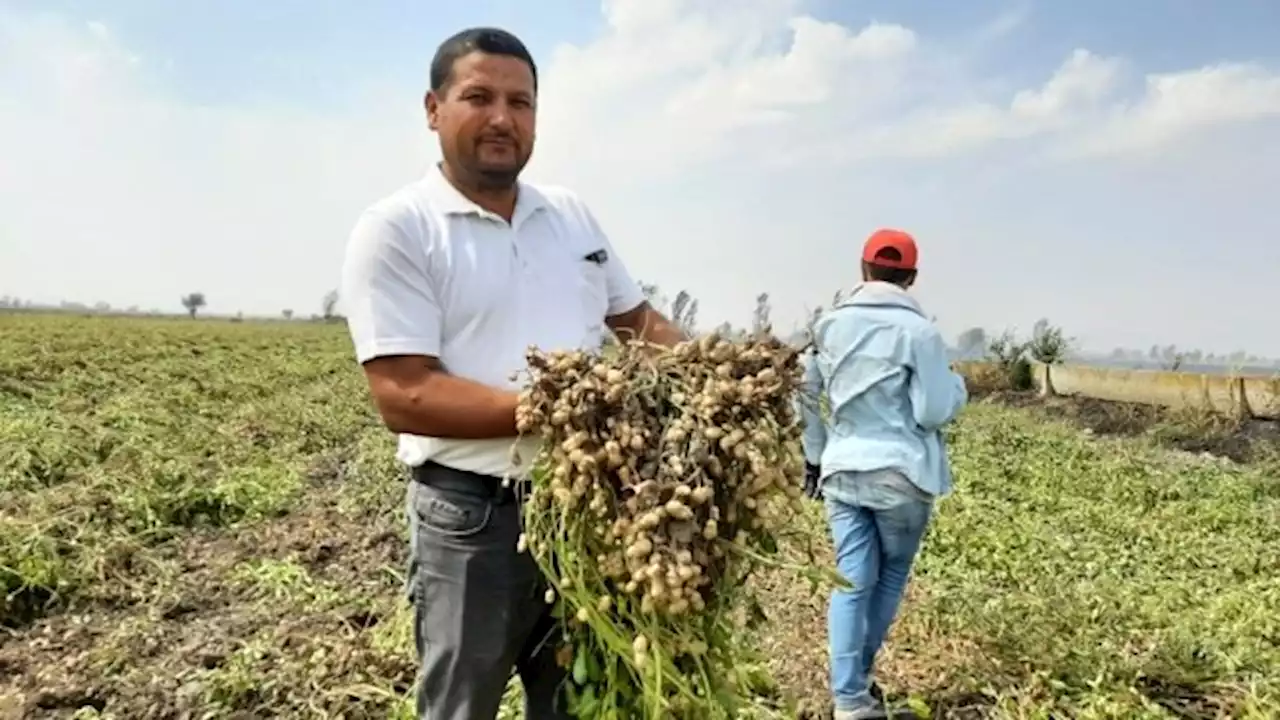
(1110, 166)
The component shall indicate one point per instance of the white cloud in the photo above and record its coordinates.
(729, 148)
(1175, 104)
(1084, 80)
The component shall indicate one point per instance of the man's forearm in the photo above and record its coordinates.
(663, 332)
(646, 323)
(447, 406)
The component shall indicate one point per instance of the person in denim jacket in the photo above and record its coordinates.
(877, 458)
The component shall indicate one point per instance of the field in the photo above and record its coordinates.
(204, 519)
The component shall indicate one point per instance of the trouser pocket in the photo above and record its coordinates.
(473, 598)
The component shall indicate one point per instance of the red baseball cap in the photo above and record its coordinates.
(900, 243)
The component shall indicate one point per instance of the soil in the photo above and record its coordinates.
(1239, 440)
(170, 647)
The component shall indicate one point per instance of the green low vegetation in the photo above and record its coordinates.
(205, 517)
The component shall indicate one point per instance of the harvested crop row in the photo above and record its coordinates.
(663, 478)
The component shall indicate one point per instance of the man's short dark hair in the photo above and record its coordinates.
(882, 273)
(479, 39)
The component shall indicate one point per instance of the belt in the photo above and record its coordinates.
(441, 477)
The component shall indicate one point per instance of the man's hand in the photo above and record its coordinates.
(645, 323)
(813, 481)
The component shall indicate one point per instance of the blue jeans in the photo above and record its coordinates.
(877, 523)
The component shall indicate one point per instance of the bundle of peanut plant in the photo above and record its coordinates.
(664, 477)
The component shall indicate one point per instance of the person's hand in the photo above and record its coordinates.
(813, 481)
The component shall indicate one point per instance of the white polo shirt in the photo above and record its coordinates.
(428, 272)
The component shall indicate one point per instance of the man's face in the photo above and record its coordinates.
(485, 118)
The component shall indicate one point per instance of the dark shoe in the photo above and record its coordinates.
(870, 712)
(876, 712)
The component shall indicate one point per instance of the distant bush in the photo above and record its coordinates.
(1009, 359)
(1009, 365)
(985, 378)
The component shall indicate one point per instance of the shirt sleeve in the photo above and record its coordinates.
(387, 293)
(814, 437)
(937, 392)
(624, 292)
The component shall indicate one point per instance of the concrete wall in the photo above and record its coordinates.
(1253, 396)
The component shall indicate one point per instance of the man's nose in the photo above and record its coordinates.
(500, 115)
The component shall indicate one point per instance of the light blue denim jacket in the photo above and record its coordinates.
(884, 368)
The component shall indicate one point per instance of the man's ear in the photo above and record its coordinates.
(432, 103)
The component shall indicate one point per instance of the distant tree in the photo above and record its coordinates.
(194, 302)
(971, 342)
(684, 312)
(810, 331)
(1005, 349)
(689, 320)
(682, 301)
(329, 305)
(760, 317)
(287, 313)
(1171, 358)
(1048, 344)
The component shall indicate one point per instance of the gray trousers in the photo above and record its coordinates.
(479, 610)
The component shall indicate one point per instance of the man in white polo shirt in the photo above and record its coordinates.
(446, 283)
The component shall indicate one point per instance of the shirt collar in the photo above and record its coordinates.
(452, 202)
(875, 292)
